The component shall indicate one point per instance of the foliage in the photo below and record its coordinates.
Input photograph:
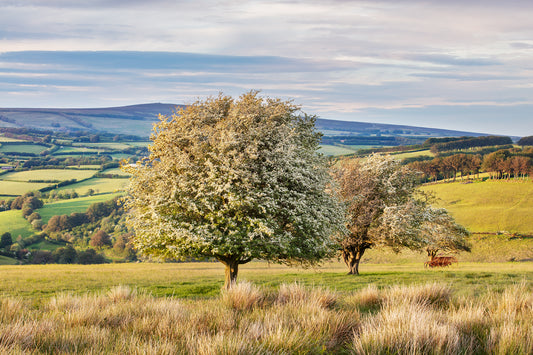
(526, 140)
(469, 142)
(100, 239)
(234, 180)
(6, 240)
(384, 209)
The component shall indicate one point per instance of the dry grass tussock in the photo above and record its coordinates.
(425, 319)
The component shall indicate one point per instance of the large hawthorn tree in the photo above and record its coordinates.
(384, 208)
(236, 180)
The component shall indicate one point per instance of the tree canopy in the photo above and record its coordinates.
(234, 179)
(384, 209)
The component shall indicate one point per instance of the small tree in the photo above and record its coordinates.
(100, 239)
(384, 209)
(6, 240)
(234, 180)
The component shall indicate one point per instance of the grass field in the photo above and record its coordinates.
(15, 188)
(74, 150)
(106, 145)
(334, 150)
(22, 148)
(489, 206)
(49, 174)
(204, 280)
(413, 154)
(99, 185)
(13, 222)
(115, 171)
(75, 205)
(4, 260)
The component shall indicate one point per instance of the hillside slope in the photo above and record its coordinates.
(138, 119)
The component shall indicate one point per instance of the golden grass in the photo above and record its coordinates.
(424, 319)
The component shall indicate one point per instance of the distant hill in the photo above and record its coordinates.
(138, 120)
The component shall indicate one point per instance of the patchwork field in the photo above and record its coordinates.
(15, 188)
(13, 222)
(22, 148)
(99, 185)
(69, 206)
(335, 150)
(49, 174)
(489, 206)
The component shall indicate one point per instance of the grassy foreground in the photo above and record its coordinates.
(293, 319)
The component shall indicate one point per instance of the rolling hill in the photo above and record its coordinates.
(138, 119)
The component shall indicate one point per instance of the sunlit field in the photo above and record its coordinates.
(119, 309)
(489, 206)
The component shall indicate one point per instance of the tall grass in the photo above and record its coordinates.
(424, 319)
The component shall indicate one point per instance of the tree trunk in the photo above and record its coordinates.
(232, 269)
(352, 256)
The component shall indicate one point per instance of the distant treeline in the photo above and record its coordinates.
(438, 145)
(504, 163)
(526, 140)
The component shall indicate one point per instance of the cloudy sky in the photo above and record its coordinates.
(454, 64)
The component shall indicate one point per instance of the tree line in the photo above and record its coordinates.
(504, 163)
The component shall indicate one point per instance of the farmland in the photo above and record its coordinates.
(48, 175)
(489, 206)
(69, 206)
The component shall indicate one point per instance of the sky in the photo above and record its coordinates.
(454, 64)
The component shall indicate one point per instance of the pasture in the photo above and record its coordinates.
(69, 206)
(49, 174)
(12, 221)
(22, 148)
(99, 185)
(205, 279)
(489, 206)
(15, 188)
(335, 150)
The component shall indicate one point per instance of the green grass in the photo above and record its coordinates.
(69, 206)
(22, 148)
(420, 153)
(115, 171)
(335, 150)
(4, 260)
(203, 280)
(489, 206)
(13, 222)
(106, 145)
(99, 185)
(8, 139)
(15, 188)
(92, 167)
(79, 150)
(49, 174)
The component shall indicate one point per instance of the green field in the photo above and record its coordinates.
(201, 280)
(80, 150)
(99, 185)
(15, 188)
(116, 171)
(4, 260)
(69, 206)
(49, 174)
(13, 222)
(489, 206)
(334, 150)
(8, 139)
(105, 145)
(22, 148)
(419, 153)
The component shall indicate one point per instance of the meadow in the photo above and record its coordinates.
(16, 188)
(48, 175)
(179, 309)
(22, 148)
(488, 206)
(74, 205)
(99, 185)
